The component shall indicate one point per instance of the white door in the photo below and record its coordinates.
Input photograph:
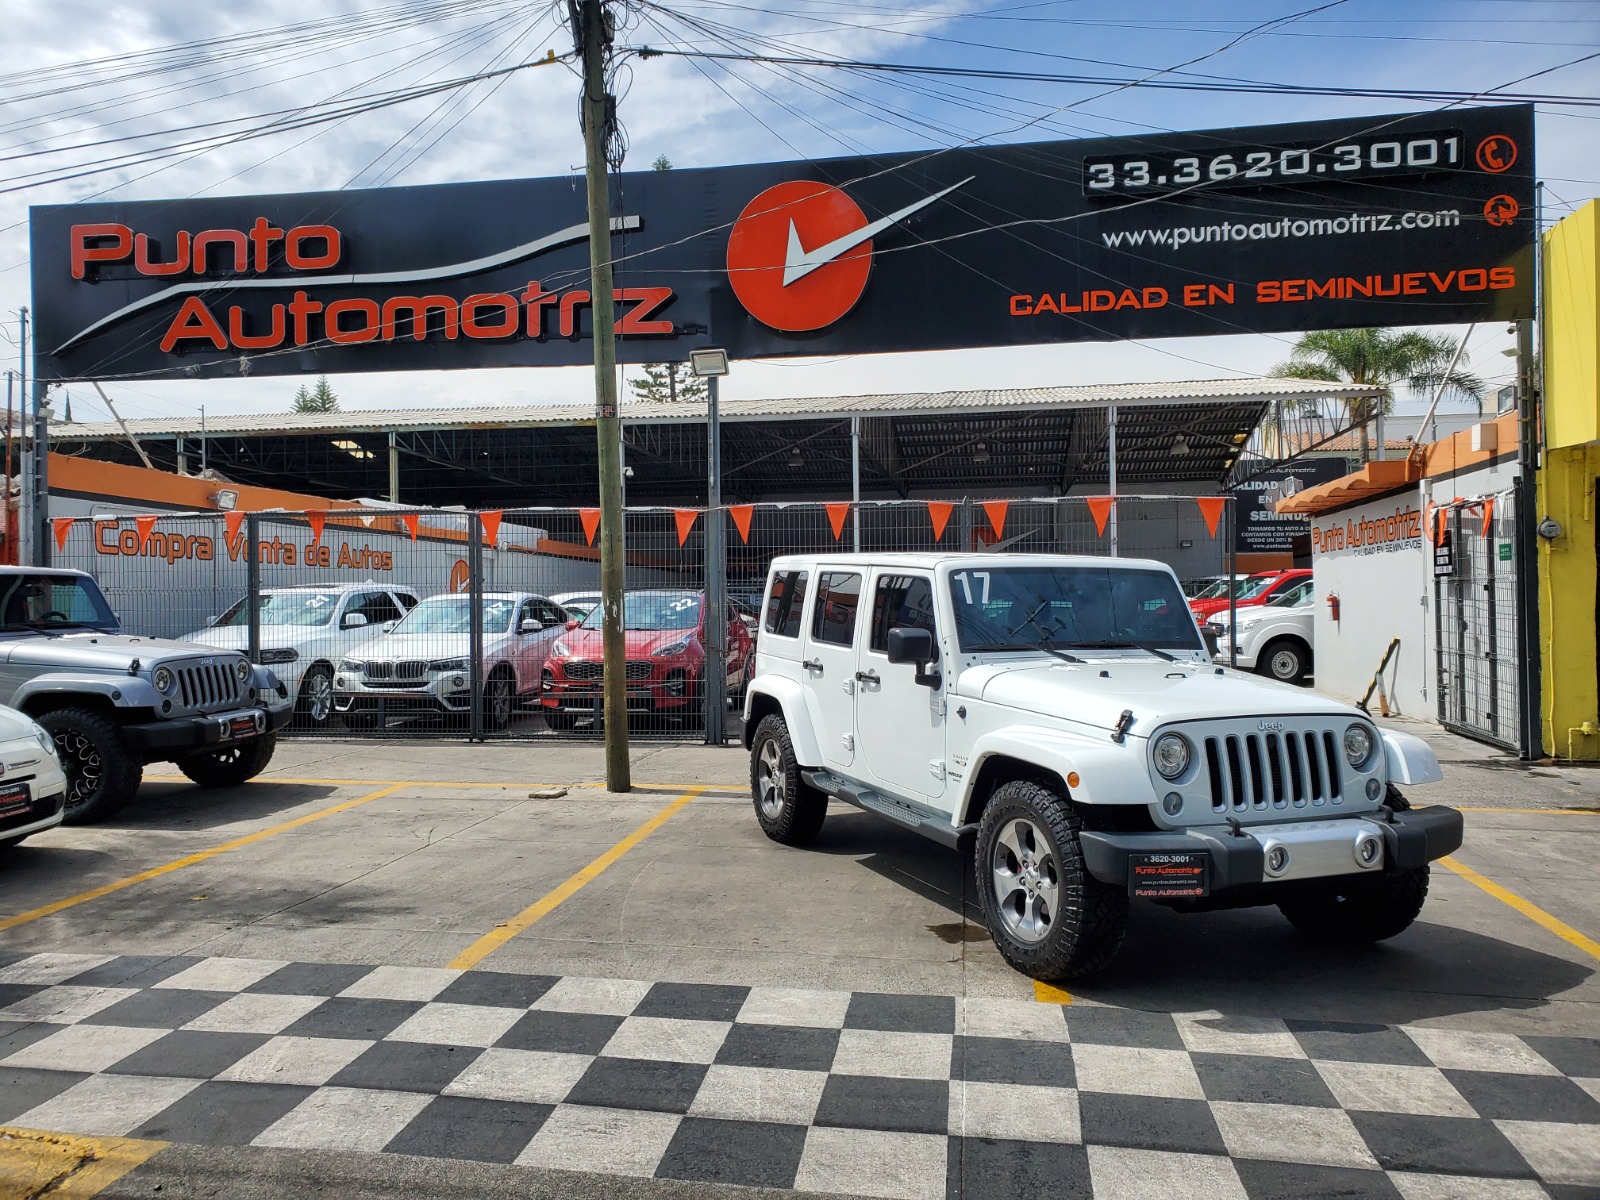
(902, 720)
(829, 666)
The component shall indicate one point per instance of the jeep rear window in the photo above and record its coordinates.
(53, 602)
(838, 597)
(786, 603)
(1017, 608)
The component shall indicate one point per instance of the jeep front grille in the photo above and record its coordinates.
(1254, 771)
(212, 685)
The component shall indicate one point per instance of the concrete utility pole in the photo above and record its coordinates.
(40, 525)
(594, 34)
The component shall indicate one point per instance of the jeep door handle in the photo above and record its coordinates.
(866, 677)
(813, 664)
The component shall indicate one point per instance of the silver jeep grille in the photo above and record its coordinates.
(1249, 772)
(206, 685)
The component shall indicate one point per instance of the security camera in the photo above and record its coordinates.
(627, 472)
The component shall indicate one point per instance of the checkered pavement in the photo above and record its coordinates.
(887, 1095)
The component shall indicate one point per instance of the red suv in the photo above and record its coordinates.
(665, 632)
(1258, 589)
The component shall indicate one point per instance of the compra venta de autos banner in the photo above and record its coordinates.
(1394, 220)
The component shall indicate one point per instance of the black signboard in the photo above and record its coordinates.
(1444, 554)
(1417, 219)
(1259, 528)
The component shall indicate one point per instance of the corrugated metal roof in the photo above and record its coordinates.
(903, 403)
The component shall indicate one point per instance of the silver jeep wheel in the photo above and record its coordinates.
(769, 779)
(1027, 881)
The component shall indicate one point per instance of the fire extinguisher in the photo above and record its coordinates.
(1333, 606)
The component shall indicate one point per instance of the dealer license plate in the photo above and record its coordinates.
(242, 727)
(15, 798)
(1168, 876)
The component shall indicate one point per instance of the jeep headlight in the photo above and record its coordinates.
(1171, 753)
(164, 680)
(241, 669)
(1357, 746)
(46, 740)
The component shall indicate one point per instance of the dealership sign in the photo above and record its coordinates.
(1426, 218)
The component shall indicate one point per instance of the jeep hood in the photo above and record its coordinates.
(96, 651)
(1157, 692)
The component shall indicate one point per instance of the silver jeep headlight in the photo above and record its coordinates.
(1357, 746)
(241, 668)
(163, 679)
(1171, 753)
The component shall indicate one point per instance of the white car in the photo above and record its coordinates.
(1058, 718)
(579, 604)
(1275, 638)
(421, 665)
(304, 633)
(33, 787)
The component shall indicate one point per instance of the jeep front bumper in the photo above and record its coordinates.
(182, 734)
(1194, 864)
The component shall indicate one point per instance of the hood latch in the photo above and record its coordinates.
(1124, 723)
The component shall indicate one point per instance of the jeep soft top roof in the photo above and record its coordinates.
(929, 562)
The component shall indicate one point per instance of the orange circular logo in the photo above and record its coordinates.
(782, 261)
(1501, 210)
(459, 575)
(1496, 153)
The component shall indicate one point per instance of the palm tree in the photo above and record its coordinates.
(1383, 357)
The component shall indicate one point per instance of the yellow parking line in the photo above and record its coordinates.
(550, 901)
(1562, 812)
(1047, 993)
(419, 783)
(66, 1166)
(189, 860)
(1532, 911)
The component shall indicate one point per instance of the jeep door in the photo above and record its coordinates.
(901, 721)
(829, 667)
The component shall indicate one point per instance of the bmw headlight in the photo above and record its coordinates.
(673, 650)
(448, 664)
(1171, 753)
(164, 680)
(241, 668)
(352, 665)
(1357, 745)
(281, 655)
(45, 740)
(560, 650)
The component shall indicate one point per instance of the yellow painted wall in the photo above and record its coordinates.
(1567, 564)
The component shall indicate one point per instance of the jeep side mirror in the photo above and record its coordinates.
(353, 621)
(530, 625)
(910, 646)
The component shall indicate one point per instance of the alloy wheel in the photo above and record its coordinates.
(83, 767)
(319, 698)
(1027, 881)
(770, 779)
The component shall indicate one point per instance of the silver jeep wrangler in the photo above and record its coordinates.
(1060, 717)
(115, 702)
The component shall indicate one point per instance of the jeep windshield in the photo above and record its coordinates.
(1067, 607)
(652, 610)
(33, 603)
(286, 608)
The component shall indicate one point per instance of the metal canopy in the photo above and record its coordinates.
(1039, 441)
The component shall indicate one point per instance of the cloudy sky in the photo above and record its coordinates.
(97, 70)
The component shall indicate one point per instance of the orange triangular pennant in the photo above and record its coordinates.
(1100, 510)
(741, 514)
(939, 513)
(231, 521)
(491, 524)
(144, 526)
(63, 526)
(837, 512)
(1488, 515)
(685, 518)
(1211, 509)
(997, 516)
(410, 520)
(317, 521)
(591, 523)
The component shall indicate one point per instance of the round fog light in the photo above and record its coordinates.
(1277, 860)
(1172, 804)
(1374, 789)
(1367, 851)
(458, 681)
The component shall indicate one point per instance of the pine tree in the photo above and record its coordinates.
(319, 400)
(670, 382)
(662, 163)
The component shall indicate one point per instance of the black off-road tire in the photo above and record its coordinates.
(102, 775)
(232, 766)
(1087, 930)
(1275, 659)
(789, 809)
(1355, 916)
(304, 716)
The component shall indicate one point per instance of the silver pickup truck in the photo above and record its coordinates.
(114, 702)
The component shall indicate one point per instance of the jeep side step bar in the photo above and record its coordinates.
(928, 822)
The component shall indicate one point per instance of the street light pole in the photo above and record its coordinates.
(711, 365)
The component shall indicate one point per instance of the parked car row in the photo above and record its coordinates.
(1273, 619)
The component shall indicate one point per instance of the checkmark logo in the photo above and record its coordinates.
(789, 287)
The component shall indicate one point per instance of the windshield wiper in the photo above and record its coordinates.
(1114, 645)
(1044, 643)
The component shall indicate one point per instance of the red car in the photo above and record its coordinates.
(665, 631)
(1261, 587)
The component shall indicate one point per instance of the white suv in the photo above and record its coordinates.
(305, 631)
(1275, 638)
(1060, 716)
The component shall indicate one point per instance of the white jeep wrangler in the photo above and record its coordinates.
(1060, 716)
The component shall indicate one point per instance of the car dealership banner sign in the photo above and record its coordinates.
(1424, 218)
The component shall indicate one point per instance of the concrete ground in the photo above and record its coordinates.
(421, 854)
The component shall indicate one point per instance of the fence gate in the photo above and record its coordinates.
(1479, 663)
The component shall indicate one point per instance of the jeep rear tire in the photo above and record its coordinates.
(1049, 918)
(788, 808)
(101, 775)
(232, 766)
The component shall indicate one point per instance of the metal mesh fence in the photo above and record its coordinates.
(1479, 663)
(428, 622)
